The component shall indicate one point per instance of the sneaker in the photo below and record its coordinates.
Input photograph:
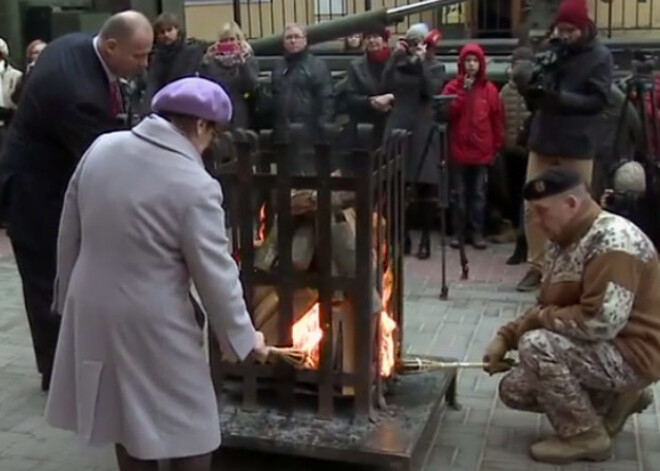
(531, 281)
(478, 242)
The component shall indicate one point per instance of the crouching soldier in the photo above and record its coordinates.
(591, 346)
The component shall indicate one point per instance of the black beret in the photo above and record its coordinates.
(551, 182)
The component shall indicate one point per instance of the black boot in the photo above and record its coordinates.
(519, 253)
(407, 244)
(424, 250)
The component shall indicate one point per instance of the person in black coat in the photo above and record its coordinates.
(568, 88)
(302, 94)
(71, 98)
(173, 57)
(367, 99)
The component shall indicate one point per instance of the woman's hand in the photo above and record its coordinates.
(261, 350)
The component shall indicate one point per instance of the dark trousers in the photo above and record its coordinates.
(37, 270)
(470, 183)
(423, 198)
(515, 163)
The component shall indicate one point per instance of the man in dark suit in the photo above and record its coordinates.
(71, 97)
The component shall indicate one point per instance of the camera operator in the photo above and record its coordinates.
(413, 75)
(567, 88)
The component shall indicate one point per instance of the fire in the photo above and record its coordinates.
(307, 332)
(307, 335)
(261, 231)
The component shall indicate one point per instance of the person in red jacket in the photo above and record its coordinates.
(476, 135)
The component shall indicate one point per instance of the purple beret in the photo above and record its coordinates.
(194, 96)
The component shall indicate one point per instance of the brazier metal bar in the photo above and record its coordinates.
(284, 268)
(324, 268)
(363, 309)
(246, 235)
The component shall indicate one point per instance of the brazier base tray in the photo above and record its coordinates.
(397, 439)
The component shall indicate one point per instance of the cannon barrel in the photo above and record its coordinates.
(350, 24)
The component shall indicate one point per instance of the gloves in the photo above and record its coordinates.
(494, 356)
(543, 97)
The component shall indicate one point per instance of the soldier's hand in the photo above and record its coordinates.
(530, 321)
(260, 350)
(494, 356)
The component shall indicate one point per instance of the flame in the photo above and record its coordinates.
(307, 335)
(307, 332)
(261, 231)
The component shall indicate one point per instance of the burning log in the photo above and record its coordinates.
(303, 300)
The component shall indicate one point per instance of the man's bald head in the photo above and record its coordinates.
(125, 41)
(124, 24)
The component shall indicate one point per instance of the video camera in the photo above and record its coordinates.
(544, 62)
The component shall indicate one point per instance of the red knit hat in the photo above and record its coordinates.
(574, 12)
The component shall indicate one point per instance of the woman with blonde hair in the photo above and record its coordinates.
(231, 64)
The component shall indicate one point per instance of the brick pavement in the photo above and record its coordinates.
(482, 436)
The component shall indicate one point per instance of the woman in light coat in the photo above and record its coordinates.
(141, 218)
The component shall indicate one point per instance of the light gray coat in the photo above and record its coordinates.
(141, 218)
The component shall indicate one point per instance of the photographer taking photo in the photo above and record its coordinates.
(566, 88)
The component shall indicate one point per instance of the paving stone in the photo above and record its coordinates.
(483, 436)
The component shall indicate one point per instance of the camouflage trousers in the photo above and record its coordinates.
(573, 382)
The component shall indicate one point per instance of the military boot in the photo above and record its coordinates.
(592, 445)
(625, 405)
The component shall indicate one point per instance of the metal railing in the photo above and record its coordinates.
(472, 18)
(618, 17)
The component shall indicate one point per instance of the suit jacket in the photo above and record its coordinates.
(141, 218)
(65, 105)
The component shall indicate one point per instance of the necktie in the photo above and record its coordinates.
(116, 106)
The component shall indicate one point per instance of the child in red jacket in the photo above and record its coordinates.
(476, 134)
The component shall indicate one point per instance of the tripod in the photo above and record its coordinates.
(446, 197)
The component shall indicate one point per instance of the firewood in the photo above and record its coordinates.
(266, 254)
(344, 340)
(303, 245)
(266, 308)
(259, 293)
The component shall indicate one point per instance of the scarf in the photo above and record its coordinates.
(228, 60)
(380, 56)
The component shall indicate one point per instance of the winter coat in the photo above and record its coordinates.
(581, 80)
(413, 88)
(169, 63)
(129, 366)
(302, 93)
(240, 81)
(364, 80)
(9, 80)
(476, 116)
(515, 114)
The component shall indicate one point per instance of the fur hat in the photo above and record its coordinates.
(4, 48)
(574, 12)
(630, 177)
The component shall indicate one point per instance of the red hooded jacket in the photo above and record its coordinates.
(476, 116)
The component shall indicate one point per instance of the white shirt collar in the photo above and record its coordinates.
(111, 77)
